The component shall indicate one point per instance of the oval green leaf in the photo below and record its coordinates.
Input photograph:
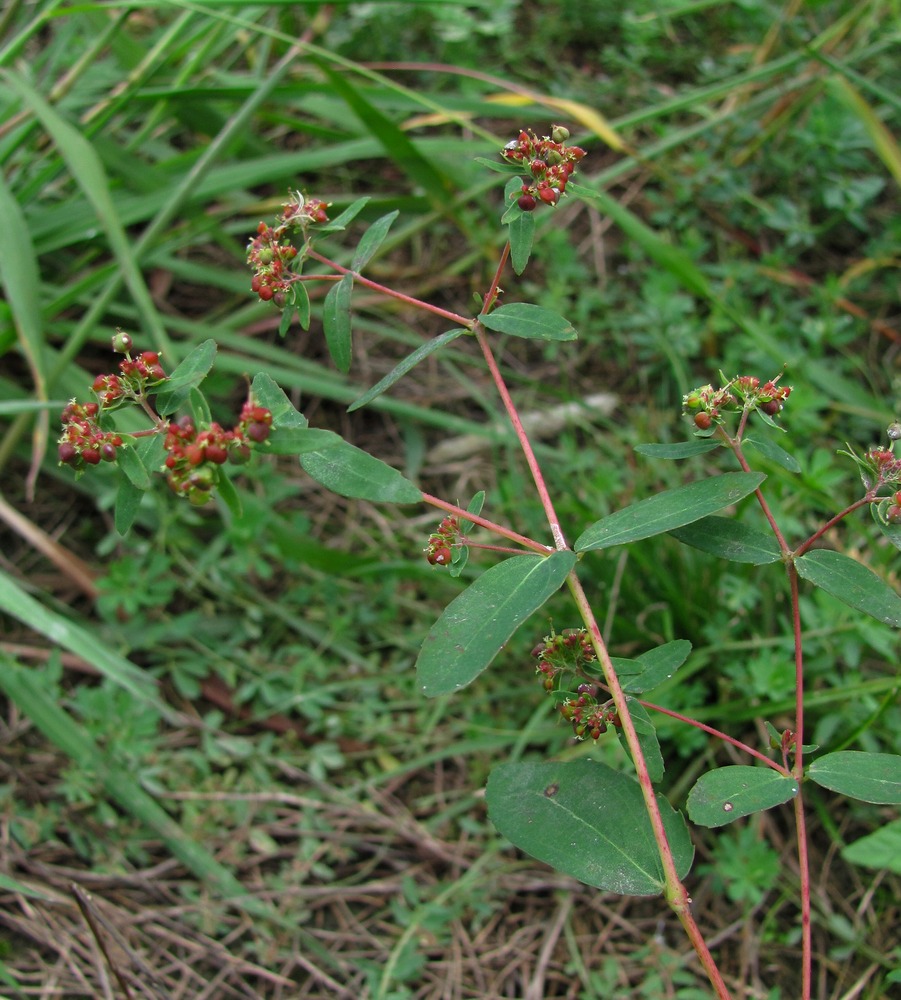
(730, 539)
(522, 319)
(435, 344)
(721, 796)
(679, 449)
(774, 453)
(372, 239)
(350, 472)
(265, 391)
(645, 672)
(647, 739)
(852, 583)
(870, 777)
(521, 232)
(479, 621)
(881, 849)
(174, 392)
(336, 322)
(668, 510)
(588, 821)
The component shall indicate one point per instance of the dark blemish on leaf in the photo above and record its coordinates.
(552, 790)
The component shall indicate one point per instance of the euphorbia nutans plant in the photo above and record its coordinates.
(610, 828)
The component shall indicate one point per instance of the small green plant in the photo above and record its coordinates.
(608, 828)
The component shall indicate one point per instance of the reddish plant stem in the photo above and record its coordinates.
(862, 502)
(735, 445)
(498, 529)
(392, 293)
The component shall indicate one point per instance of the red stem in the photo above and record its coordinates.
(498, 529)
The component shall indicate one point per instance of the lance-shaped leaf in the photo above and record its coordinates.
(870, 777)
(668, 510)
(350, 472)
(586, 820)
(881, 849)
(647, 739)
(851, 582)
(521, 232)
(774, 453)
(336, 322)
(645, 672)
(187, 376)
(301, 440)
(477, 623)
(730, 539)
(371, 240)
(679, 449)
(522, 319)
(721, 796)
(435, 344)
(265, 391)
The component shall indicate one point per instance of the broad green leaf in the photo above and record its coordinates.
(730, 539)
(665, 254)
(668, 510)
(350, 472)
(680, 449)
(68, 635)
(870, 777)
(128, 459)
(647, 739)
(435, 344)
(881, 849)
(774, 453)
(522, 319)
(476, 625)
(521, 232)
(645, 672)
(588, 821)
(346, 217)
(851, 582)
(301, 440)
(175, 391)
(721, 796)
(371, 240)
(336, 322)
(265, 391)
(128, 503)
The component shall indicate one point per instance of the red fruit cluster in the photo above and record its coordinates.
(134, 378)
(83, 441)
(567, 651)
(549, 161)
(705, 405)
(587, 717)
(270, 253)
(439, 550)
(192, 455)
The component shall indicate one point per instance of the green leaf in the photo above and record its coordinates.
(265, 391)
(302, 304)
(479, 621)
(730, 539)
(336, 322)
(647, 739)
(128, 503)
(870, 777)
(772, 451)
(852, 583)
(301, 440)
(175, 391)
(498, 166)
(284, 324)
(128, 459)
(645, 672)
(435, 344)
(460, 554)
(371, 240)
(350, 472)
(588, 821)
(522, 319)
(346, 217)
(721, 796)
(665, 254)
(681, 449)
(521, 232)
(668, 510)
(881, 849)
(225, 490)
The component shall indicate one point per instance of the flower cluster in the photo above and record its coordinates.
(549, 161)
(587, 715)
(83, 441)
(135, 375)
(438, 551)
(271, 253)
(705, 405)
(561, 652)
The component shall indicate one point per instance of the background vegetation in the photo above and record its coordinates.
(271, 739)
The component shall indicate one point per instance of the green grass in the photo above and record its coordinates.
(749, 223)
